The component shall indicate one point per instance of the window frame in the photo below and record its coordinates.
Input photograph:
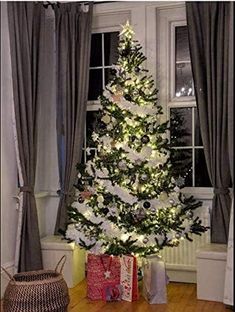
(183, 101)
(94, 105)
(167, 18)
(152, 30)
(193, 147)
(102, 66)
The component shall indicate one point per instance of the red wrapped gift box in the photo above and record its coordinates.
(101, 269)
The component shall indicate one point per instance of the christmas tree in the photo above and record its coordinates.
(128, 201)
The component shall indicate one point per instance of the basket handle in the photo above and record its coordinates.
(8, 274)
(63, 259)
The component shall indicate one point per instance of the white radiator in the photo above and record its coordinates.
(181, 261)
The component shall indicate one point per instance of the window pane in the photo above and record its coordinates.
(182, 164)
(96, 50)
(201, 173)
(108, 75)
(183, 80)
(183, 71)
(181, 44)
(181, 126)
(111, 41)
(91, 120)
(95, 84)
(198, 138)
(83, 157)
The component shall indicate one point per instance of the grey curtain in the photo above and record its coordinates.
(73, 36)
(25, 26)
(208, 26)
(231, 92)
(228, 283)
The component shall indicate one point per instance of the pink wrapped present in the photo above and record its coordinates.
(101, 269)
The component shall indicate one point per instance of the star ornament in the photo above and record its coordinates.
(127, 30)
(107, 274)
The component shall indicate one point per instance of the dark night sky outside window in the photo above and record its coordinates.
(103, 56)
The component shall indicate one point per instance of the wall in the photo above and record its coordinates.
(9, 213)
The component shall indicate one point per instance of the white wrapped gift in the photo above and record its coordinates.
(154, 280)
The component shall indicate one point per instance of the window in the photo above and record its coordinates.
(176, 82)
(186, 143)
(104, 54)
(183, 71)
(185, 137)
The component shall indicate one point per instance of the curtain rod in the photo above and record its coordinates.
(46, 4)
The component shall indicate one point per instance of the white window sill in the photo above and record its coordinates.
(199, 192)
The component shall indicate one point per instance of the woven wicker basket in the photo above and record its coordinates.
(37, 291)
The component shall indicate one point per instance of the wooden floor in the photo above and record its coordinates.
(181, 298)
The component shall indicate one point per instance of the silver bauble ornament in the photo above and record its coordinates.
(189, 214)
(177, 235)
(144, 177)
(145, 240)
(145, 139)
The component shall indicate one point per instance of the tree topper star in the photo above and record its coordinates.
(127, 30)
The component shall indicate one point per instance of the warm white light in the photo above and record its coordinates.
(140, 238)
(87, 214)
(124, 237)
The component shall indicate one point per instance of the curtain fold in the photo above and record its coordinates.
(208, 26)
(25, 29)
(73, 36)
